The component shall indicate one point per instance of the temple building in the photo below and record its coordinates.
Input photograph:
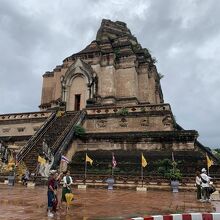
(111, 89)
(112, 70)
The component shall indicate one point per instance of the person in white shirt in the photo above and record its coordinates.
(67, 182)
(205, 179)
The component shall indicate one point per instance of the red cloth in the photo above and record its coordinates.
(55, 203)
(51, 183)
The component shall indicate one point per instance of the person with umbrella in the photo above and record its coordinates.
(67, 195)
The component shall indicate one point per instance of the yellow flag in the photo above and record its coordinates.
(209, 161)
(143, 161)
(59, 113)
(11, 163)
(88, 159)
(41, 160)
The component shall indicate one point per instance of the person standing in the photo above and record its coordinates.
(25, 178)
(205, 179)
(198, 185)
(67, 182)
(56, 186)
(51, 194)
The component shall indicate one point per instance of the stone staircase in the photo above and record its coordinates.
(55, 131)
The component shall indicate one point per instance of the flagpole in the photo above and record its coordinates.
(172, 156)
(61, 166)
(85, 169)
(142, 174)
(112, 165)
(207, 162)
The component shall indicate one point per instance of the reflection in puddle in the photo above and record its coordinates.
(96, 204)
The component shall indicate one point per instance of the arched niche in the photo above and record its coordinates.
(77, 93)
(78, 85)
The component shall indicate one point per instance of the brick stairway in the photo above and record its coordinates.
(54, 133)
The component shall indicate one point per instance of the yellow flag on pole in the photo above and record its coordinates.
(41, 160)
(88, 159)
(209, 161)
(143, 161)
(11, 163)
(59, 114)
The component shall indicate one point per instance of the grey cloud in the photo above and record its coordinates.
(183, 36)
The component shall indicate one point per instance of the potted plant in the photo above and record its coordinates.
(110, 181)
(170, 171)
(175, 176)
(11, 176)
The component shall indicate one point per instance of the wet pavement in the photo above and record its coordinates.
(20, 202)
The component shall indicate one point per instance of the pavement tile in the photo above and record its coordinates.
(20, 202)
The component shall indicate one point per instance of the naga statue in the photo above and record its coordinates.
(7, 162)
(45, 159)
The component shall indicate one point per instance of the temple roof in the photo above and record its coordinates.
(112, 30)
(92, 47)
(115, 37)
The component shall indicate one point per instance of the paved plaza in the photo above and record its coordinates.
(20, 202)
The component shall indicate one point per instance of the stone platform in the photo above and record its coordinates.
(20, 202)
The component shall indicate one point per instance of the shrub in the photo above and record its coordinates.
(143, 109)
(123, 112)
(169, 170)
(79, 130)
(174, 174)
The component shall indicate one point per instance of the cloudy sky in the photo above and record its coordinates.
(184, 36)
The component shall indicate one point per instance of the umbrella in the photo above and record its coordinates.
(69, 198)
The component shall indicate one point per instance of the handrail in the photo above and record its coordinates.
(134, 177)
(65, 131)
(68, 137)
(71, 132)
(35, 138)
(62, 135)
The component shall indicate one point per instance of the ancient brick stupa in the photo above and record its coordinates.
(112, 70)
(112, 89)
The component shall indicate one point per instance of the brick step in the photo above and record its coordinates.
(52, 135)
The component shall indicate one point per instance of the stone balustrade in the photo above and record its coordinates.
(137, 108)
(26, 115)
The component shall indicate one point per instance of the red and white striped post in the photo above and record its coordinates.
(187, 216)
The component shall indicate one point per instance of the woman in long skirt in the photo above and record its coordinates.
(67, 182)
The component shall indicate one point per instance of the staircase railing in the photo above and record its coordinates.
(64, 133)
(35, 138)
(59, 139)
(62, 136)
(79, 118)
